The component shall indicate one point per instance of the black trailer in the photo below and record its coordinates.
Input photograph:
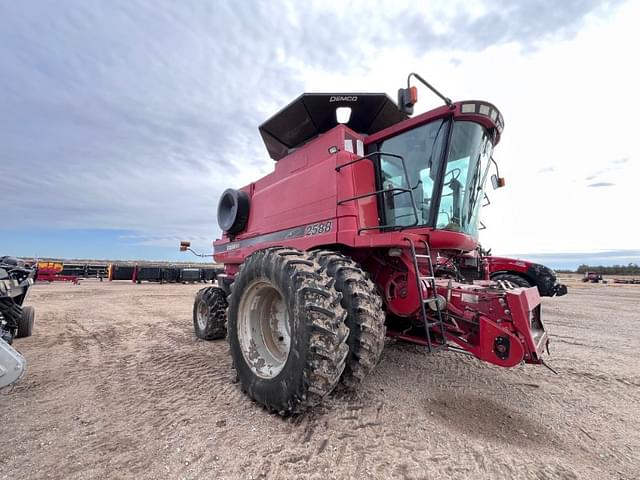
(148, 274)
(190, 275)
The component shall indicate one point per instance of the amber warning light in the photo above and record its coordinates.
(407, 98)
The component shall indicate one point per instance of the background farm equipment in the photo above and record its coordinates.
(162, 272)
(85, 270)
(592, 277)
(16, 320)
(481, 265)
(346, 241)
(54, 272)
(165, 274)
(523, 273)
(73, 271)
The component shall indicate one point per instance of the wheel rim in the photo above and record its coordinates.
(201, 315)
(263, 329)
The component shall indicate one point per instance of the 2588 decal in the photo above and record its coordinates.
(318, 228)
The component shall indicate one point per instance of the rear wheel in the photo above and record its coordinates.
(286, 330)
(210, 313)
(515, 280)
(365, 317)
(25, 323)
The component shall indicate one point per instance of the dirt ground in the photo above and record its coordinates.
(119, 387)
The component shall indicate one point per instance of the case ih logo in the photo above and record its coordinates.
(338, 98)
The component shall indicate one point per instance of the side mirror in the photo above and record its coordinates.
(497, 182)
(184, 246)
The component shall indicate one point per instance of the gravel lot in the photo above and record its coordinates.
(119, 387)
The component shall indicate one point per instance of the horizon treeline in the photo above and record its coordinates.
(630, 269)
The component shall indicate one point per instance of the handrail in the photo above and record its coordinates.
(368, 156)
(401, 190)
(370, 194)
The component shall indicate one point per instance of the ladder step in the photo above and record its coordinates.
(442, 346)
(429, 300)
(433, 324)
(427, 277)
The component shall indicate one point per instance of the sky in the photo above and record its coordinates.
(121, 122)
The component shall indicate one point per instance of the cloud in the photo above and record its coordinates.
(547, 170)
(601, 184)
(131, 117)
(620, 161)
(137, 115)
(529, 24)
(614, 166)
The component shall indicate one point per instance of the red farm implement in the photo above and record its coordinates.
(52, 272)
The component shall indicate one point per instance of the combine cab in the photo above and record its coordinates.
(359, 232)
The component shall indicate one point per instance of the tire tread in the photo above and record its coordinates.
(216, 328)
(365, 317)
(320, 304)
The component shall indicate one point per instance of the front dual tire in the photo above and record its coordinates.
(287, 330)
(299, 323)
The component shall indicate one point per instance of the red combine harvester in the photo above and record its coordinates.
(337, 247)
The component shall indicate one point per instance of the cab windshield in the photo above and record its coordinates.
(462, 176)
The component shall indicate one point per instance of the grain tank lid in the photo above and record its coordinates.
(314, 113)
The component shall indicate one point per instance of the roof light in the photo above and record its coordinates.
(486, 110)
(343, 114)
